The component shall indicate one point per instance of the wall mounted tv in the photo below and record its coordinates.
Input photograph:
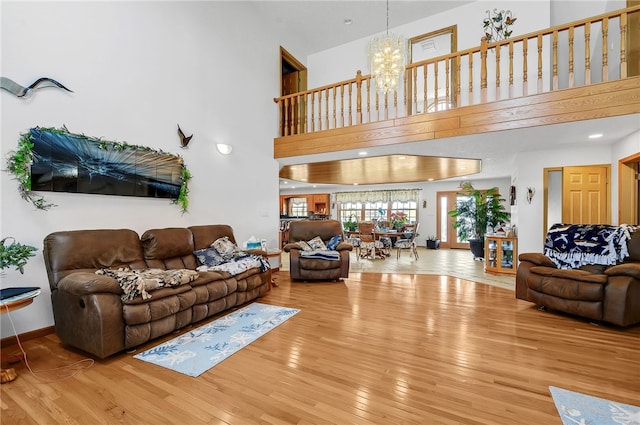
(66, 162)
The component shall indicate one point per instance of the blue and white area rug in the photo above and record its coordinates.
(199, 350)
(581, 409)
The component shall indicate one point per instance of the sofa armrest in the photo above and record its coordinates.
(628, 269)
(84, 283)
(256, 251)
(292, 246)
(344, 246)
(537, 259)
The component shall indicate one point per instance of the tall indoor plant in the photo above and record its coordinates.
(481, 209)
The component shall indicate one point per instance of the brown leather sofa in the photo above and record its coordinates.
(88, 310)
(603, 293)
(301, 268)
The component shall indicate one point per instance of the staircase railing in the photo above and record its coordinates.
(564, 56)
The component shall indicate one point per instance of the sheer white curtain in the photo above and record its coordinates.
(372, 196)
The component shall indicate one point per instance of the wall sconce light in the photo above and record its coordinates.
(531, 191)
(223, 148)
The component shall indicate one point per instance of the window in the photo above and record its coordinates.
(350, 208)
(299, 207)
(350, 211)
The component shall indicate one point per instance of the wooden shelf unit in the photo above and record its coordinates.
(318, 203)
(501, 254)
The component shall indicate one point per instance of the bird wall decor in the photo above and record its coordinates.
(11, 86)
(184, 140)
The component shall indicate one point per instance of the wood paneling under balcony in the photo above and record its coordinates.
(608, 99)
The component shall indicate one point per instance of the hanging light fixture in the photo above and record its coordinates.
(387, 55)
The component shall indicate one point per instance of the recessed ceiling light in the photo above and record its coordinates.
(348, 21)
(315, 185)
(362, 153)
(286, 182)
(402, 157)
(429, 180)
(355, 184)
(595, 136)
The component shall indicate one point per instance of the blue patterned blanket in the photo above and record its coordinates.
(571, 246)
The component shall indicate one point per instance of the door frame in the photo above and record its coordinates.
(628, 202)
(452, 240)
(293, 63)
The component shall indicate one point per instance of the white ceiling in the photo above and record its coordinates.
(320, 24)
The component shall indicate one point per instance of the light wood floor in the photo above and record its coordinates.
(451, 262)
(377, 348)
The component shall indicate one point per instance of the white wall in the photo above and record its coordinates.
(624, 148)
(137, 69)
(342, 62)
(530, 166)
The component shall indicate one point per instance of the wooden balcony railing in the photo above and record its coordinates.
(565, 56)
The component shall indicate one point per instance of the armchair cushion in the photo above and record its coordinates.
(304, 245)
(317, 244)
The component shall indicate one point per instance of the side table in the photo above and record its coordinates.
(273, 256)
(8, 305)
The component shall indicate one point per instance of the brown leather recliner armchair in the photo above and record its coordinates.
(604, 293)
(301, 268)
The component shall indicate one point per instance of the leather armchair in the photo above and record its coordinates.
(301, 268)
(604, 293)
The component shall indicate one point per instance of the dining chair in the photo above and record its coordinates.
(408, 243)
(369, 246)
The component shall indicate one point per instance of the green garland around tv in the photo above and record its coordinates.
(166, 175)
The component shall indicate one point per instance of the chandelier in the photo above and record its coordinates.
(387, 59)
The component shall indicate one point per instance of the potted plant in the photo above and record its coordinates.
(433, 242)
(481, 209)
(350, 225)
(398, 219)
(15, 254)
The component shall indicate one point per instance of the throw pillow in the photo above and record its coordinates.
(224, 246)
(209, 257)
(304, 245)
(333, 242)
(317, 244)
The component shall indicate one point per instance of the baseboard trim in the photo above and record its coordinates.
(12, 340)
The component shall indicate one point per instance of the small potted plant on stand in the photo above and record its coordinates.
(14, 255)
(433, 242)
(481, 209)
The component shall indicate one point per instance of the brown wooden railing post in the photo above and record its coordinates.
(359, 97)
(510, 69)
(605, 51)
(623, 48)
(571, 75)
(554, 83)
(498, 72)
(458, 66)
(587, 53)
(483, 70)
(525, 74)
(539, 63)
